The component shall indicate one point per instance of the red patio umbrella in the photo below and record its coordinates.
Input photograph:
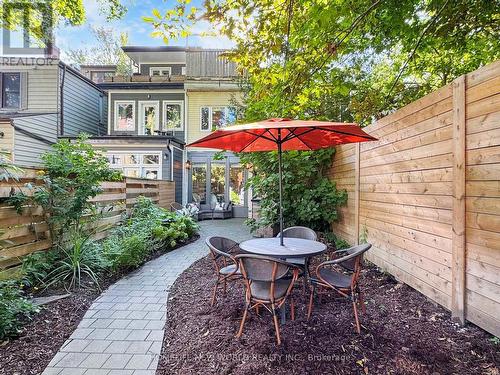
(283, 134)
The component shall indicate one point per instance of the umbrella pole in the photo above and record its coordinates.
(280, 162)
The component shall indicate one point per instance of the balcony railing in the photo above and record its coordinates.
(145, 78)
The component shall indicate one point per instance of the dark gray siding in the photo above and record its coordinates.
(176, 68)
(145, 96)
(83, 106)
(209, 63)
(178, 167)
(29, 132)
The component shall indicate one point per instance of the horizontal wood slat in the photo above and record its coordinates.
(417, 182)
(27, 232)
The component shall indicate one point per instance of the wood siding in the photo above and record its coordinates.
(198, 99)
(84, 107)
(43, 85)
(204, 64)
(7, 140)
(410, 202)
(33, 137)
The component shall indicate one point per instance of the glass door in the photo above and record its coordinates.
(148, 117)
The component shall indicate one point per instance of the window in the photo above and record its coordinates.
(11, 90)
(183, 70)
(124, 116)
(149, 118)
(173, 116)
(236, 185)
(218, 181)
(213, 118)
(100, 77)
(160, 71)
(136, 164)
(199, 179)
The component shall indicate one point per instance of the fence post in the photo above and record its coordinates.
(356, 193)
(458, 226)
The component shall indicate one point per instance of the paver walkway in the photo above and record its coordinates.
(122, 332)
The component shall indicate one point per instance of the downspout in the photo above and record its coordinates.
(61, 99)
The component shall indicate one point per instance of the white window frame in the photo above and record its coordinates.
(210, 118)
(115, 122)
(148, 103)
(164, 115)
(161, 69)
(183, 70)
(140, 166)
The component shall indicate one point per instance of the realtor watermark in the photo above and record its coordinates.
(27, 33)
(258, 357)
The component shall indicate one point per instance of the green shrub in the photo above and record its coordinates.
(333, 239)
(79, 257)
(14, 308)
(126, 250)
(149, 228)
(36, 267)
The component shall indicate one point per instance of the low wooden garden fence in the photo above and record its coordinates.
(427, 195)
(27, 232)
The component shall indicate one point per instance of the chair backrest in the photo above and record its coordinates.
(222, 250)
(352, 261)
(213, 201)
(299, 232)
(174, 206)
(262, 268)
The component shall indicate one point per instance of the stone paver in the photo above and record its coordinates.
(122, 332)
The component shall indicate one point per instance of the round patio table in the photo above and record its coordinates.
(292, 247)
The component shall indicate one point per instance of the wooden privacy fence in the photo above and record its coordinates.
(27, 232)
(427, 195)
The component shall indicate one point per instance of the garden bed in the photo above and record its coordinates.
(403, 333)
(42, 337)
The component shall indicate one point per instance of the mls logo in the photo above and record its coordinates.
(27, 29)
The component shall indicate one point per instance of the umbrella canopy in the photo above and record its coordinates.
(292, 134)
(282, 134)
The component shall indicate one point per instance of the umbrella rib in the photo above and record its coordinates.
(259, 136)
(346, 133)
(248, 145)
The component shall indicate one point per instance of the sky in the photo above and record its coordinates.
(138, 31)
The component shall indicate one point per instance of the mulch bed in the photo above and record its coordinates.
(42, 337)
(403, 333)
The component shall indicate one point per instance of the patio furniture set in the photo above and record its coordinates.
(270, 272)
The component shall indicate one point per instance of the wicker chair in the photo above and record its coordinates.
(266, 285)
(299, 232)
(222, 251)
(176, 207)
(344, 284)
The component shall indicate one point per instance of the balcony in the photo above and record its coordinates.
(142, 78)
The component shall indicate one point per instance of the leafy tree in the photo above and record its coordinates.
(73, 172)
(309, 197)
(43, 16)
(106, 51)
(343, 59)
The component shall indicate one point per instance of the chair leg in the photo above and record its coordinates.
(276, 325)
(361, 301)
(257, 310)
(309, 308)
(355, 307)
(245, 313)
(214, 293)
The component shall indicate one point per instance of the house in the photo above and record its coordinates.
(176, 96)
(41, 100)
(98, 73)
